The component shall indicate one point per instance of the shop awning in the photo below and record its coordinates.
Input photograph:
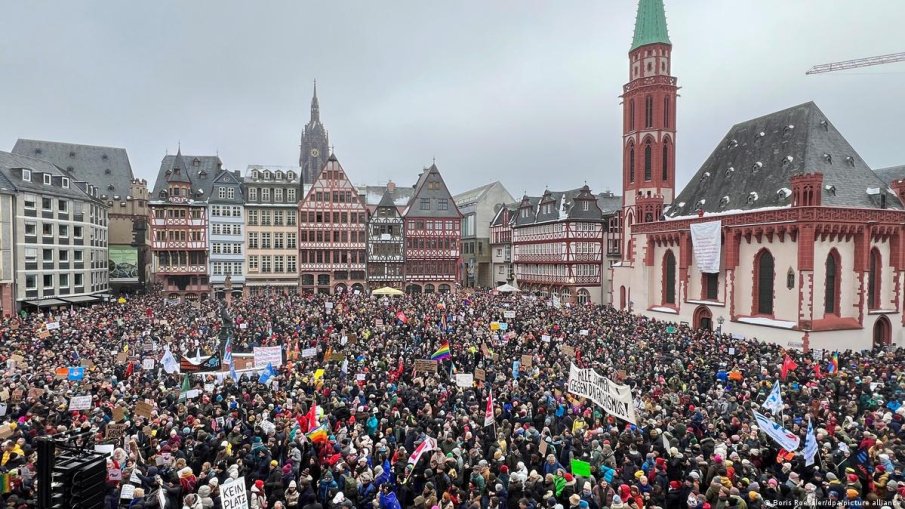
(78, 299)
(43, 303)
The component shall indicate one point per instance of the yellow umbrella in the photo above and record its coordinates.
(386, 290)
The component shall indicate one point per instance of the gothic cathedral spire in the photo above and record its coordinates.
(314, 144)
(649, 120)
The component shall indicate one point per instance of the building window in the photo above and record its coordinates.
(291, 264)
(669, 278)
(78, 280)
(77, 232)
(666, 111)
(278, 195)
(647, 161)
(26, 175)
(265, 264)
(665, 162)
(425, 203)
(252, 240)
(873, 279)
(48, 281)
(77, 255)
(764, 275)
(29, 201)
(47, 179)
(290, 195)
(221, 192)
(252, 263)
(230, 193)
(631, 115)
(46, 203)
(265, 194)
(64, 280)
(631, 164)
(64, 231)
(253, 217)
(649, 112)
(253, 193)
(65, 183)
(290, 217)
(31, 282)
(31, 255)
(442, 204)
(831, 286)
(291, 240)
(711, 286)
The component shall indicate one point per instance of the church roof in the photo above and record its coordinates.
(752, 166)
(650, 24)
(101, 167)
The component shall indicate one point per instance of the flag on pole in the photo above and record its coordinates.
(186, 386)
(428, 445)
(267, 374)
(442, 352)
(785, 438)
(810, 446)
(488, 412)
(318, 435)
(773, 402)
(833, 366)
(228, 351)
(787, 365)
(232, 373)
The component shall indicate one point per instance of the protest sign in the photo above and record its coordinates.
(17, 358)
(114, 474)
(3, 409)
(243, 326)
(542, 447)
(233, 494)
(464, 379)
(143, 409)
(17, 395)
(545, 338)
(79, 403)
(527, 360)
(128, 491)
(147, 364)
(105, 449)
(425, 366)
(335, 357)
(508, 314)
(309, 352)
(122, 357)
(378, 322)
(583, 332)
(582, 468)
(52, 325)
(615, 399)
(494, 326)
(265, 355)
(119, 413)
(479, 374)
(361, 377)
(568, 350)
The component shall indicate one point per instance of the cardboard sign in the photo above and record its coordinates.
(378, 322)
(479, 374)
(17, 395)
(568, 350)
(79, 403)
(6, 431)
(353, 339)
(43, 334)
(425, 366)
(527, 360)
(119, 413)
(233, 494)
(143, 409)
(542, 447)
(122, 357)
(17, 358)
(86, 363)
(485, 350)
(336, 357)
(115, 431)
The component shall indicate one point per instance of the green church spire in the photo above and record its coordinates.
(650, 24)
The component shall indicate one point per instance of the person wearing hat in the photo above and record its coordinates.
(258, 499)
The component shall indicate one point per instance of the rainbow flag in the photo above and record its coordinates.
(833, 366)
(319, 435)
(442, 352)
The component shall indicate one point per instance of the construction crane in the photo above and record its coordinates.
(858, 62)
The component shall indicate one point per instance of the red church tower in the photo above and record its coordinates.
(649, 121)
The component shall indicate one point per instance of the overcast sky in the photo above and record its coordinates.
(524, 92)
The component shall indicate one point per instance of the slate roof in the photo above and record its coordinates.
(498, 216)
(564, 206)
(891, 173)
(751, 167)
(422, 191)
(473, 195)
(200, 170)
(100, 166)
(8, 161)
(372, 195)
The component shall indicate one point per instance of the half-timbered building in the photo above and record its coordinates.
(179, 225)
(332, 234)
(433, 258)
(386, 248)
(558, 244)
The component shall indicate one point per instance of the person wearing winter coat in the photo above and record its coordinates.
(204, 495)
(292, 495)
(191, 501)
(257, 500)
(387, 499)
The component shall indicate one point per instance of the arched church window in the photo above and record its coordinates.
(647, 161)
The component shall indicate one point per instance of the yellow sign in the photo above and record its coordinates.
(318, 374)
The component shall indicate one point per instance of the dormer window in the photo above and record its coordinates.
(828, 158)
(290, 175)
(267, 175)
(732, 143)
(254, 174)
(752, 197)
(724, 201)
(758, 165)
(729, 171)
(279, 175)
(850, 160)
(196, 162)
(26, 175)
(47, 179)
(110, 187)
(104, 157)
(65, 183)
(202, 173)
(830, 189)
(71, 154)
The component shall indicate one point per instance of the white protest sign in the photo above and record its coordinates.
(706, 245)
(105, 449)
(360, 377)
(243, 326)
(79, 403)
(52, 325)
(2, 409)
(615, 399)
(309, 352)
(134, 477)
(328, 306)
(128, 491)
(192, 394)
(265, 355)
(208, 387)
(233, 495)
(583, 332)
(147, 364)
(545, 338)
(464, 379)
(508, 314)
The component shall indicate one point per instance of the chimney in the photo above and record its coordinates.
(391, 186)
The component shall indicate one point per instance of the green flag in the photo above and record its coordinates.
(186, 386)
(582, 468)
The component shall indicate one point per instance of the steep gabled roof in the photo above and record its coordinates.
(387, 200)
(563, 206)
(423, 190)
(650, 24)
(100, 166)
(199, 170)
(752, 166)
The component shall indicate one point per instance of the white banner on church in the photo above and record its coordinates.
(615, 399)
(705, 239)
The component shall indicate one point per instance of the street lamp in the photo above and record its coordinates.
(719, 325)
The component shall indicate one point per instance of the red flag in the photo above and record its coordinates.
(311, 418)
(787, 365)
(817, 371)
(401, 317)
(488, 412)
(130, 369)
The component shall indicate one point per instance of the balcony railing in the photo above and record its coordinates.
(182, 269)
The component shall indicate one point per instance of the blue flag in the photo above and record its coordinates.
(267, 374)
(810, 446)
(76, 374)
(228, 351)
(232, 373)
(516, 365)
(773, 402)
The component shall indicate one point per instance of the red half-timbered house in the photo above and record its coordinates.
(332, 234)
(433, 237)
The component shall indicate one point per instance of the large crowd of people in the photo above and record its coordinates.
(345, 420)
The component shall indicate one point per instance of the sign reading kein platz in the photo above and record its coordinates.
(233, 495)
(615, 399)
